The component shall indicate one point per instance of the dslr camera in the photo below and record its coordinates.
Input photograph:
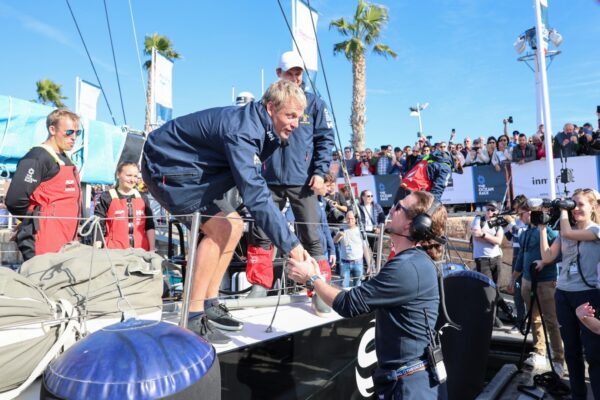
(547, 212)
(510, 119)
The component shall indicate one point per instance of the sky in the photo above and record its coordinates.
(457, 55)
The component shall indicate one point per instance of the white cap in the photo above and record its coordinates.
(289, 60)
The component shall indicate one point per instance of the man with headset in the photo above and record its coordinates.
(404, 296)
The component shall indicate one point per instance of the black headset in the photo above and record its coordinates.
(420, 228)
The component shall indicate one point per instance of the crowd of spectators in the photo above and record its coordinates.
(498, 151)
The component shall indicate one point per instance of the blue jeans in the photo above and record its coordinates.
(354, 268)
(576, 337)
(417, 386)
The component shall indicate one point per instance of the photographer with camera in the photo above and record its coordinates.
(478, 155)
(487, 236)
(335, 202)
(579, 246)
(539, 279)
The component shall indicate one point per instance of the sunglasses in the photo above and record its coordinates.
(399, 207)
(71, 132)
(503, 140)
(368, 195)
(491, 209)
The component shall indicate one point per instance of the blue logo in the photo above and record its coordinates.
(481, 179)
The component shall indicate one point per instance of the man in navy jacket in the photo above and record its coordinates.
(189, 163)
(295, 172)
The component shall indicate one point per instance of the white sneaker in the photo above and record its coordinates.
(558, 368)
(535, 360)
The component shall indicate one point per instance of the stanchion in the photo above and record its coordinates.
(379, 248)
(191, 264)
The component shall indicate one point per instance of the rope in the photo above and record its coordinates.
(92, 226)
(112, 47)
(91, 62)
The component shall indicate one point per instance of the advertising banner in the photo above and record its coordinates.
(358, 184)
(385, 189)
(488, 183)
(304, 33)
(162, 89)
(460, 188)
(531, 179)
(87, 99)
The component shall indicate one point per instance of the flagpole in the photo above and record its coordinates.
(543, 78)
(77, 94)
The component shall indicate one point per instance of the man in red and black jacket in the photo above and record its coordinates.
(46, 187)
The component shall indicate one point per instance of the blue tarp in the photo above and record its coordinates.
(23, 125)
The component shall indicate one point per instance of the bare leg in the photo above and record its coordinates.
(213, 256)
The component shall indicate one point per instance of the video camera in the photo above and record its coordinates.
(547, 212)
(334, 215)
(498, 221)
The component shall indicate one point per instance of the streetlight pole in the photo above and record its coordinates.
(416, 112)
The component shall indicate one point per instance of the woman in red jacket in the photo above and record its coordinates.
(126, 216)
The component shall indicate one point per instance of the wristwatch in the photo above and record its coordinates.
(310, 284)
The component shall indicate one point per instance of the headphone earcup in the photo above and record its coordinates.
(420, 229)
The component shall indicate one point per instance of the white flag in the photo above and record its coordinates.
(162, 90)
(304, 33)
(87, 99)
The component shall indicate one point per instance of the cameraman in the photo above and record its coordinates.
(543, 276)
(580, 249)
(336, 203)
(486, 249)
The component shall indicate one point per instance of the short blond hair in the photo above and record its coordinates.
(56, 115)
(281, 91)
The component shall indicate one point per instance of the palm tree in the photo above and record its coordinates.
(48, 92)
(362, 33)
(164, 47)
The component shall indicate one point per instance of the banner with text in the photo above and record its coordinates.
(87, 99)
(162, 89)
(531, 179)
(304, 33)
(460, 188)
(488, 184)
(358, 184)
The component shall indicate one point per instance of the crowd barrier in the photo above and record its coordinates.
(482, 183)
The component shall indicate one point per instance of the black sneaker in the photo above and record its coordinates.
(201, 327)
(221, 318)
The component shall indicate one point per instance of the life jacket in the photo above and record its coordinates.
(60, 199)
(125, 224)
(416, 179)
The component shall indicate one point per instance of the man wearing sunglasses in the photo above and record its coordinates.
(46, 184)
(404, 296)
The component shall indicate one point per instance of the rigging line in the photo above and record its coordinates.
(353, 201)
(91, 62)
(112, 47)
(137, 49)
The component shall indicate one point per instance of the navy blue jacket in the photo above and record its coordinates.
(529, 242)
(308, 150)
(439, 172)
(405, 286)
(194, 159)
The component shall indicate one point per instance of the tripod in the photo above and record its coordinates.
(550, 380)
